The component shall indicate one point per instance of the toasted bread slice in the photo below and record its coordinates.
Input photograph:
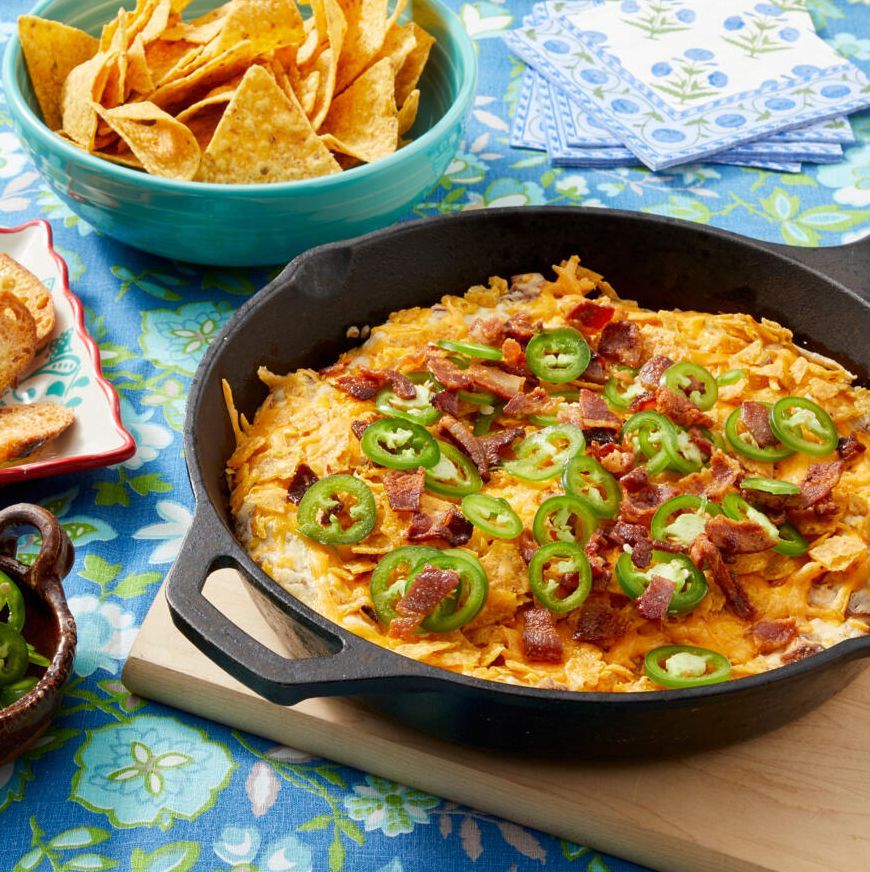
(17, 339)
(25, 428)
(15, 279)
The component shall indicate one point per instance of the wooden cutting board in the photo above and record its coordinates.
(796, 800)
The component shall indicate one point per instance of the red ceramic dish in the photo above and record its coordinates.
(67, 370)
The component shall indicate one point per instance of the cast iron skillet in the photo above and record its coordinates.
(301, 319)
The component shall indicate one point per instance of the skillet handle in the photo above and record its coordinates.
(847, 264)
(340, 666)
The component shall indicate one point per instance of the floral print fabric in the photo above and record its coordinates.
(120, 783)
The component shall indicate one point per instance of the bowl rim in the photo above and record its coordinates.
(35, 127)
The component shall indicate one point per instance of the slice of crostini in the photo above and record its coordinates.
(16, 279)
(17, 340)
(24, 428)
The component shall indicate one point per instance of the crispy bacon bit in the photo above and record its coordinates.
(461, 434)
(615, 458)
(450, 375)
(361, 387)
(527, 545)
(589, 412)
(537, 402)
(496, 445)
(859, 604)
(820, 480)
(421, 599)
(596, 372)
(600, 569)
(404, 489)
(590, 316)
(540, 640)
(644, 403)
(714, 481)
(359, 427)
(639, 506)
(402, 386)
(497, 381)
(635, 481)
(703, 551)
(446, 401)
(637, 537)
(651, 372)
(452, 526)
(848, 447)
(527, 284)
(302, 479)
(519, 327)
(701, 442)
(494, 331)
(514, 356)
(621, 341)
(681, 410)
(756, 419)
(599, 623)
(654, 601)
(773, 635)
(737, 537)
(802, 652)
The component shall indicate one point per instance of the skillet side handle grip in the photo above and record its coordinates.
(278, 679)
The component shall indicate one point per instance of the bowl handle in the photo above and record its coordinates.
(340, 665)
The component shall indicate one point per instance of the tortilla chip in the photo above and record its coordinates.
(51, 51)
(399, 42)
(309, 47)
(267, 24)
(165, 146)
(366, 31)
(362, 120)
(157, 22)
(411, 70)
(165, 58)
(202, 79)
(218, 97)
(82, 89)
(200, 34)
(327, 62)
(204, 123)
(139, 79)
(408, 112)
(264, 137)
(837, 553)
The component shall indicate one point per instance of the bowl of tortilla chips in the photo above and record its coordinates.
(239, 132)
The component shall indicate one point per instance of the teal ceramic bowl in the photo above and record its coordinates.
(249, 225)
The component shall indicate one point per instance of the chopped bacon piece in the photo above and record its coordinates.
(527, 285)
(462, 435)
(639, 507)
(802, 652)
(701, 442)
(527, 545)
(520, 328)
(421, 599)
(621, 341)
(599, 623)
(537, 402)
(590, 316)
(615, 458)
(651, 372)
(773, 635)
(496, 445)
(302, 479)
(540, 640)
(597, 563)
(497, 381)
(589, 412)
(756, 419)
(654, 601)
(446, 401)
(637, 537)
(404, 489)
(489, 331)
(848, 447)
(820, 480)
(450, 375)
(361, 387)
(681, 410)
(402, 386)
(359, 427)
(859, 604)
(514, 356)
(703, 551)
(452, 526)
(714, 481)
(596, 372)
(644, 403)
(635, 481)
(737, 537)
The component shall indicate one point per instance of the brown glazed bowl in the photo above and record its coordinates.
(49, 626)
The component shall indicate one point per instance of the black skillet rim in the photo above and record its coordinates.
(405, 667)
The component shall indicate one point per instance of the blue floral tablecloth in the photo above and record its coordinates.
(122, 783)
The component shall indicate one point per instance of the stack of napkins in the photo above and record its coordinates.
(667, 82)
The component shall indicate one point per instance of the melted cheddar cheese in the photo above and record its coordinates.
(307, 419)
